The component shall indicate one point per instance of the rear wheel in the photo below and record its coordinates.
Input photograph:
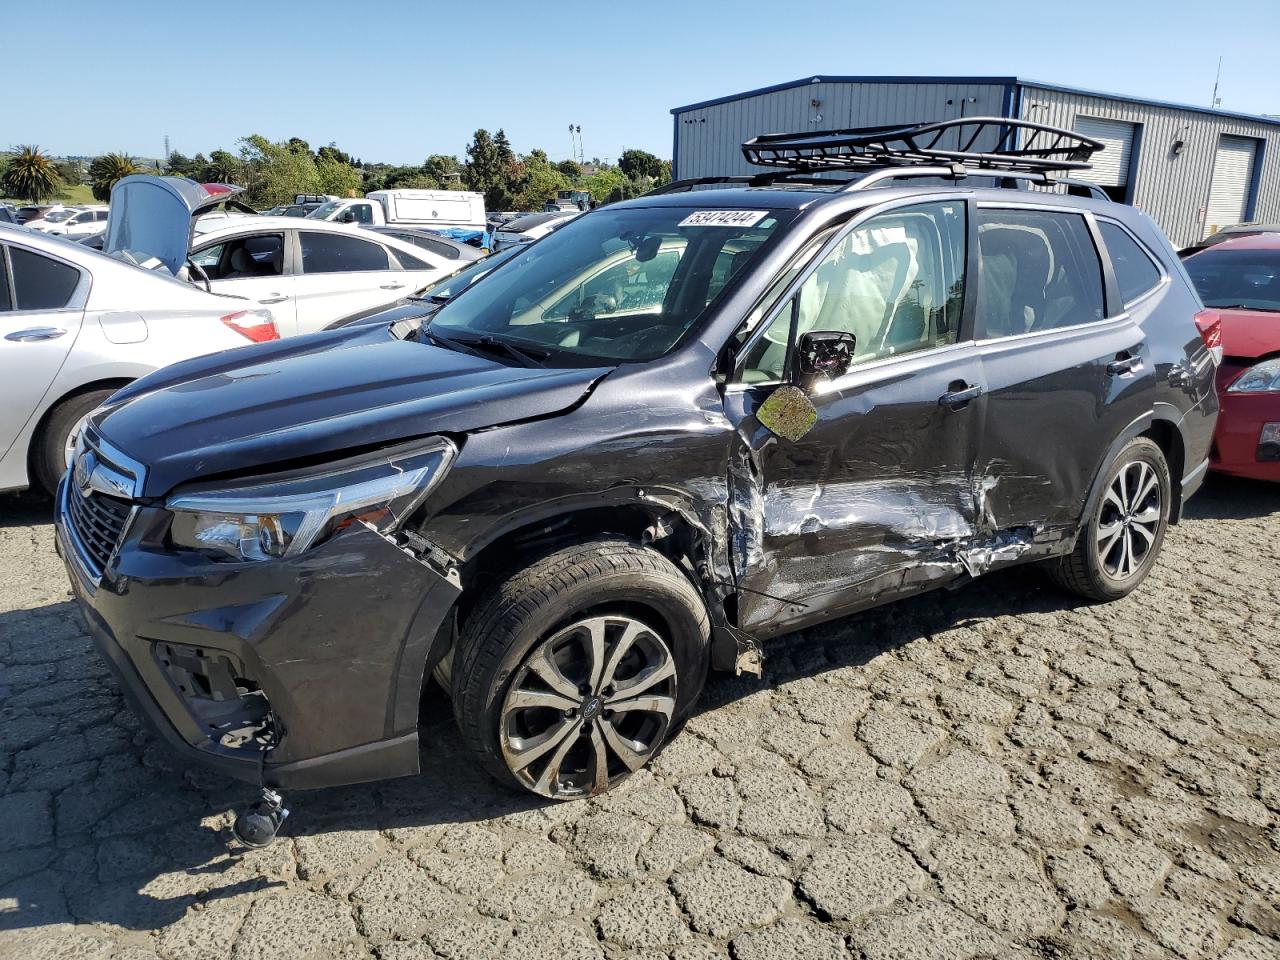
(57, 439)
(1121, 540)
(571, 674)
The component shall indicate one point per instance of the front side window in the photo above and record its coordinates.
(240, 258)
(41, 283)
(617, 285)
(1135, 273)
(1040, 271)
(1243, 278)
(895, 282)
(336, 253)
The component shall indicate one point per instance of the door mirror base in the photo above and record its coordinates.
(825, 354)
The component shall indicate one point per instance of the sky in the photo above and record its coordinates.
(395, 81)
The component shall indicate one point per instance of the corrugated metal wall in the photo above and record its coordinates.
(1173, 189)
(709, 139)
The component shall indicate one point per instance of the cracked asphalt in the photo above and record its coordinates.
(997, 771)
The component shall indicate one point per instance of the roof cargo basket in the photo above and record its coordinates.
(997, 144)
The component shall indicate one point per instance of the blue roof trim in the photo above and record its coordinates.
(1149, 102)
(994, 81)
(829, 78)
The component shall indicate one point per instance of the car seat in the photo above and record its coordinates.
(1016, 267)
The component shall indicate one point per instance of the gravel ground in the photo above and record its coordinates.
(997, 771)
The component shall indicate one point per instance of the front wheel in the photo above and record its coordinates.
(1120, 541)
(571, 674)
(57, 439)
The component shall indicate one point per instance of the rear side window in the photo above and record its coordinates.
(40, 283)
(410, 262)
(1135, 273)
(1040, 271)
(334, 253)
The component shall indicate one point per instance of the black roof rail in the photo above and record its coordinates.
(1017, 145)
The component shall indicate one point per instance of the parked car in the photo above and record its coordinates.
(426, 302)
(1229, 233)
(75, 326)
(308, 272)
(1239, 281)
(33, 212)
(530, 228)
(8, 214)
(73, 222)
(429, 240)
(680, 425)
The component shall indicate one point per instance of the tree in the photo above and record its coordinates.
(276, 172)
(69, 171)
(337, 177)
(608, 185)
(636, 164)
(537, 181)
(570, 169)
(331, 152)
(223, 167)
(506, 155)
(106, 170)
(442, 167)
(484, 171)
(32, 175)
(298, 145)
(181, 166)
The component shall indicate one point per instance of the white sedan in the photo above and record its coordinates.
(74, 223)
(309, 272)
(75, 326)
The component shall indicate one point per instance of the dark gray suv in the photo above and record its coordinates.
(673, 428)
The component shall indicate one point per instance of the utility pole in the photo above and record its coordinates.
(166, 151)
(580, 157)
(1217, 101)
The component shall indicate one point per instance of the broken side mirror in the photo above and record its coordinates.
(825, 354)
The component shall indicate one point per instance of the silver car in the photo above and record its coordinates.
(75, 326)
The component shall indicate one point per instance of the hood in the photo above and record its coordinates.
(1249, 333)
(152, 218)
(262, 406)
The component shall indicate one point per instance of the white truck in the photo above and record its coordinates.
(442, 210)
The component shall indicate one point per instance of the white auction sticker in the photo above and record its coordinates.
(724, 218)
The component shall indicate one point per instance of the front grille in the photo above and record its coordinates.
(97, 522)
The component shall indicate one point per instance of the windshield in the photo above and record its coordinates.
(1237, 278)
(323, 211)
(58, 215)
(454, 284)
(521, 224)
(615, 285)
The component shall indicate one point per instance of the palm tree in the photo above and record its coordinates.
(106, 170)
(32, 175)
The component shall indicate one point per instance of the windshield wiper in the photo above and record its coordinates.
(530, 358)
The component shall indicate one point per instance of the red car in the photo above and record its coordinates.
(1239, 282)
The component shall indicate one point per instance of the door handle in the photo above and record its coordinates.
(34, 334)
(1125, 362)
(274, 298)
(959, 396)
(392, 286)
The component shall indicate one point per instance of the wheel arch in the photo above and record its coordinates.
(37, 433)
(1162, 426)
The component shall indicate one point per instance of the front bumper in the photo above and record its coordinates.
(1237, 449)
(332, 645)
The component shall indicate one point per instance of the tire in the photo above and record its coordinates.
(1099, 567)
(529, 698)
(49, 459)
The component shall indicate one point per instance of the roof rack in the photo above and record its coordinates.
(1043, 149)
(869, 156)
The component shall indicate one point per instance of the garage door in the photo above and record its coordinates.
(1110, 164)
(1232, 178)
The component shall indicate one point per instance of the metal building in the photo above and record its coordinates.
(1194, 170)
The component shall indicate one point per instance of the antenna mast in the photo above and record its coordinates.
(1218, 76)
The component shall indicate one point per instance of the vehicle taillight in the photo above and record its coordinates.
(1209, 323)
(256, 325)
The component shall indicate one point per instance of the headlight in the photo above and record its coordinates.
(284, 515)
(1263, 378)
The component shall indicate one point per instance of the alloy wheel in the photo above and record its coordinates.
(589, 705)
(1129, 520)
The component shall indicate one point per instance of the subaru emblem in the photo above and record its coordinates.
(84, 468)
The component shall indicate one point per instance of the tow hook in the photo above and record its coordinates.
(258, 825)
